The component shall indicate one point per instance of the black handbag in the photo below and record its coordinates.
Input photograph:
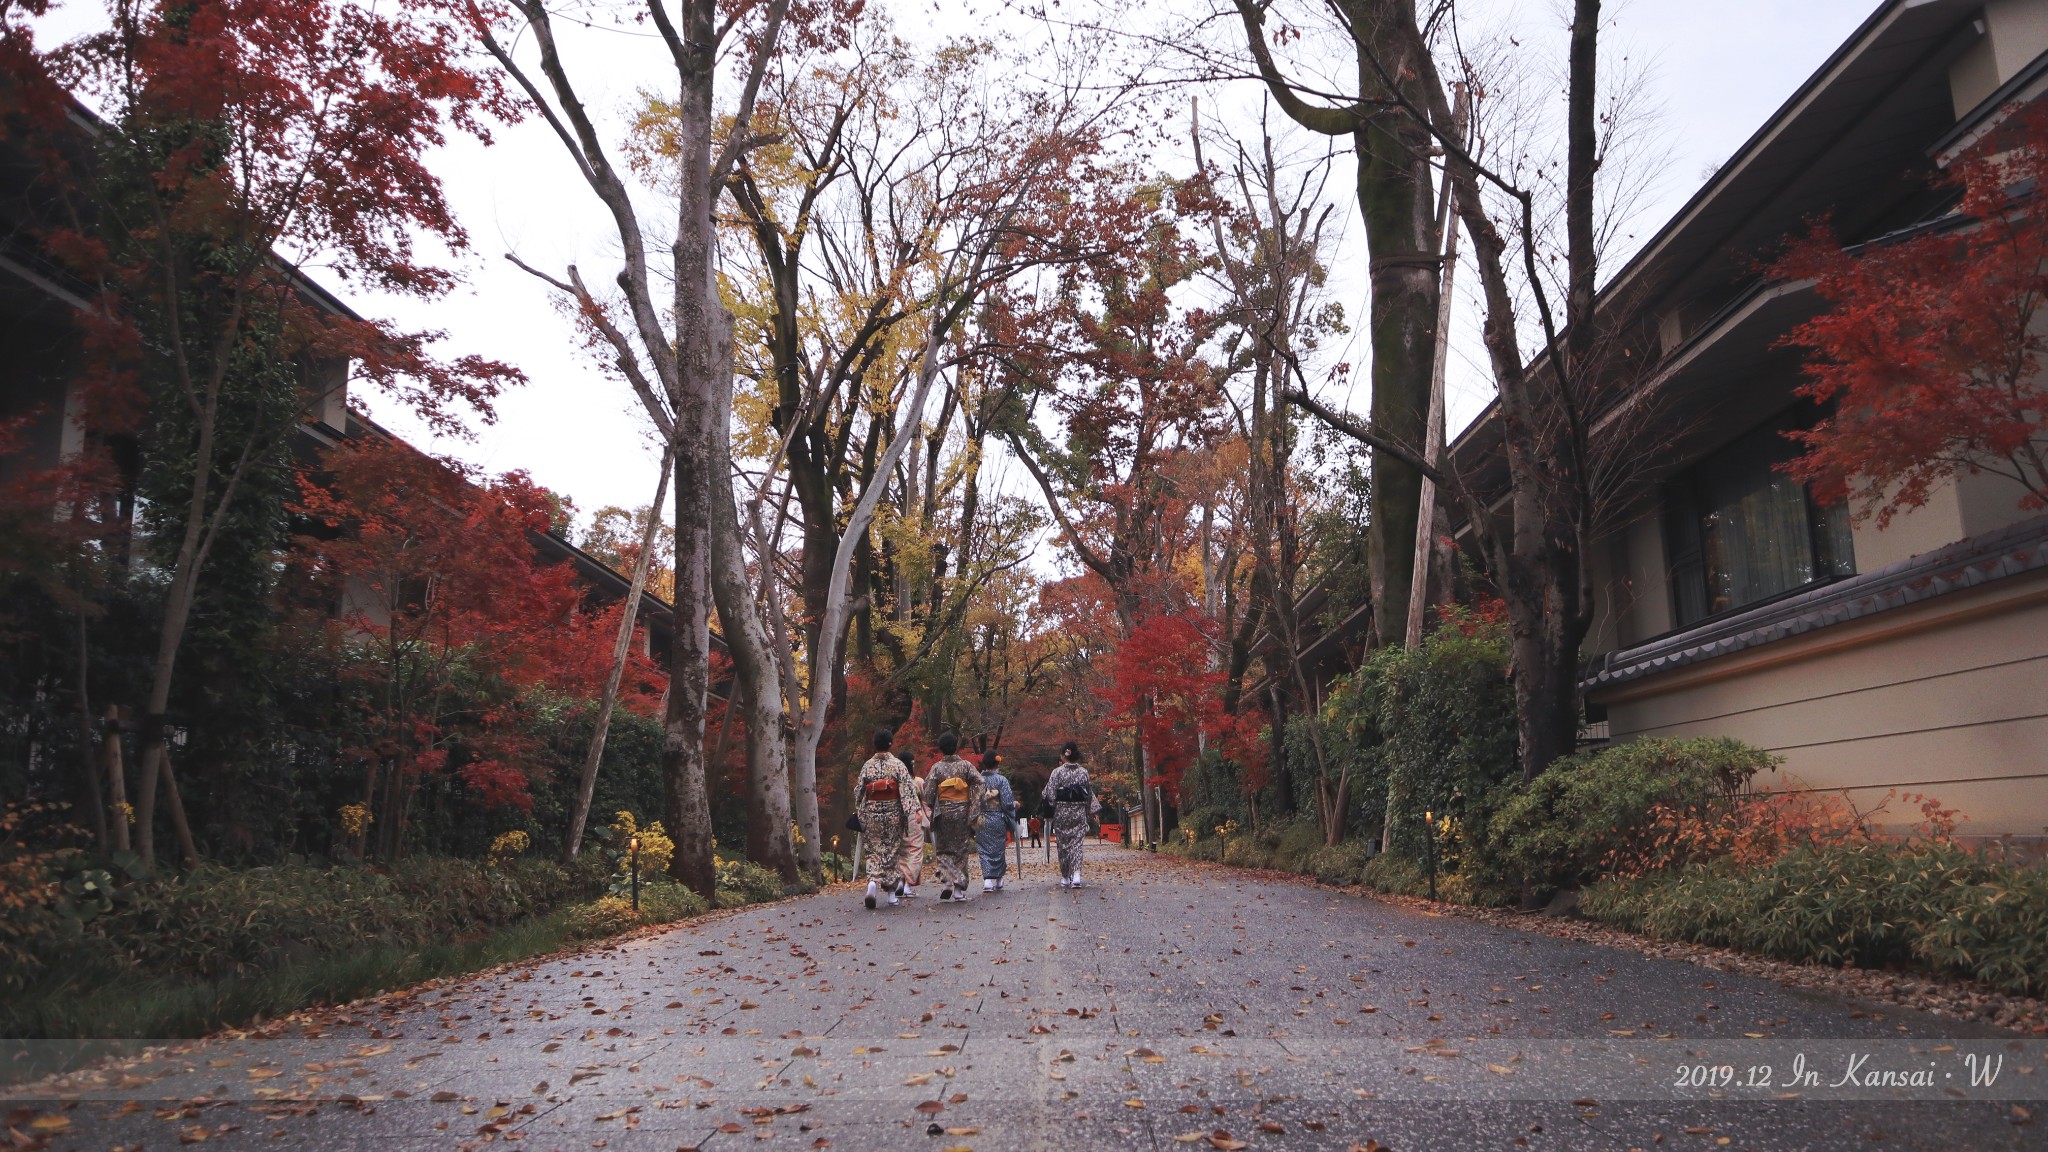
(853, 822)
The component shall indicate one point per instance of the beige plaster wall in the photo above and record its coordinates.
(1963, 506)
(1920, 697)
(2015, 31)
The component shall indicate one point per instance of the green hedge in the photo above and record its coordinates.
(1561, 829)
(215, 922)
(1869, 903)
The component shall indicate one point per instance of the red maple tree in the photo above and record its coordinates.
(1930, 351)
(1165, 685)
(443, 616)
(237, 144)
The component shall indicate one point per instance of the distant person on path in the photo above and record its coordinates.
(998, 816)
(887, 794)
(914, 831)
(953, 792)
(1073, 802)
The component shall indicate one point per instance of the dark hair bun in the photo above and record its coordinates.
(1071, 750)
(948, 743)
(883, 739)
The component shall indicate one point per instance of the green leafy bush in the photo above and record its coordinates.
(665, 902)
(1432, 729)
(1243, 851)
(214, 921)
(1996, 930)
(1869, 903)
(1397, 875)
(742, 882)
(604, 916)
(1564, 827)
(1343, 865)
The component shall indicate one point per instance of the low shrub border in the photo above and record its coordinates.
(172, 962)
(135, 1005)
(1939, 993)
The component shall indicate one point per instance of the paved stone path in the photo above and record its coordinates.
(1166, 1005)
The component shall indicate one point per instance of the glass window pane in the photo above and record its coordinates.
(1756, 537)
(1834, 548)
(1742, 531)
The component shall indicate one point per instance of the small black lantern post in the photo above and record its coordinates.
(633, 856)
(1429, 848)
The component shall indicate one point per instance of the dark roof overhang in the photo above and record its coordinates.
(1972, 563)
(1853, 142)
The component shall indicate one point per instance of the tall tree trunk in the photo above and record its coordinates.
(686, 803)
(803, 785)
(170, 637)
(1283, 775)
(117, 777)
(87, 761)
(833, 619)
(188, 851)
(1394, 200)
(684, 366)
(753, 660)
(622, 644)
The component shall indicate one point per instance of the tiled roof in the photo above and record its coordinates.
(1969, 563)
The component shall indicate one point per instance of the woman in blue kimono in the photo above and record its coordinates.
(998, 817)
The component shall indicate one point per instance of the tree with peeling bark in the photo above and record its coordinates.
(668, 347)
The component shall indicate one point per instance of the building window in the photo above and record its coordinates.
(1741, 531)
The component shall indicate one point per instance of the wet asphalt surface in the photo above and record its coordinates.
(1166, 1005)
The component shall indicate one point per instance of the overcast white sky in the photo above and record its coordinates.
(1718, 69)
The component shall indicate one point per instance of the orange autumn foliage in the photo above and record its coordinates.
(448, 618)
(1752, 829)
(1929, 353)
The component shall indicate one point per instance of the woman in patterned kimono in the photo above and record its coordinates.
(953, 792)
(998, 816)
(887, 794)
(914, 830)
(1073, 802)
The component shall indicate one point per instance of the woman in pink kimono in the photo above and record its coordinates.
(917, 822)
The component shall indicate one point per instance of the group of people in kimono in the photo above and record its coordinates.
(965, 808)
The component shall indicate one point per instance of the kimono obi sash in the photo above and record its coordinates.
(882, 791)
(953, 790)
